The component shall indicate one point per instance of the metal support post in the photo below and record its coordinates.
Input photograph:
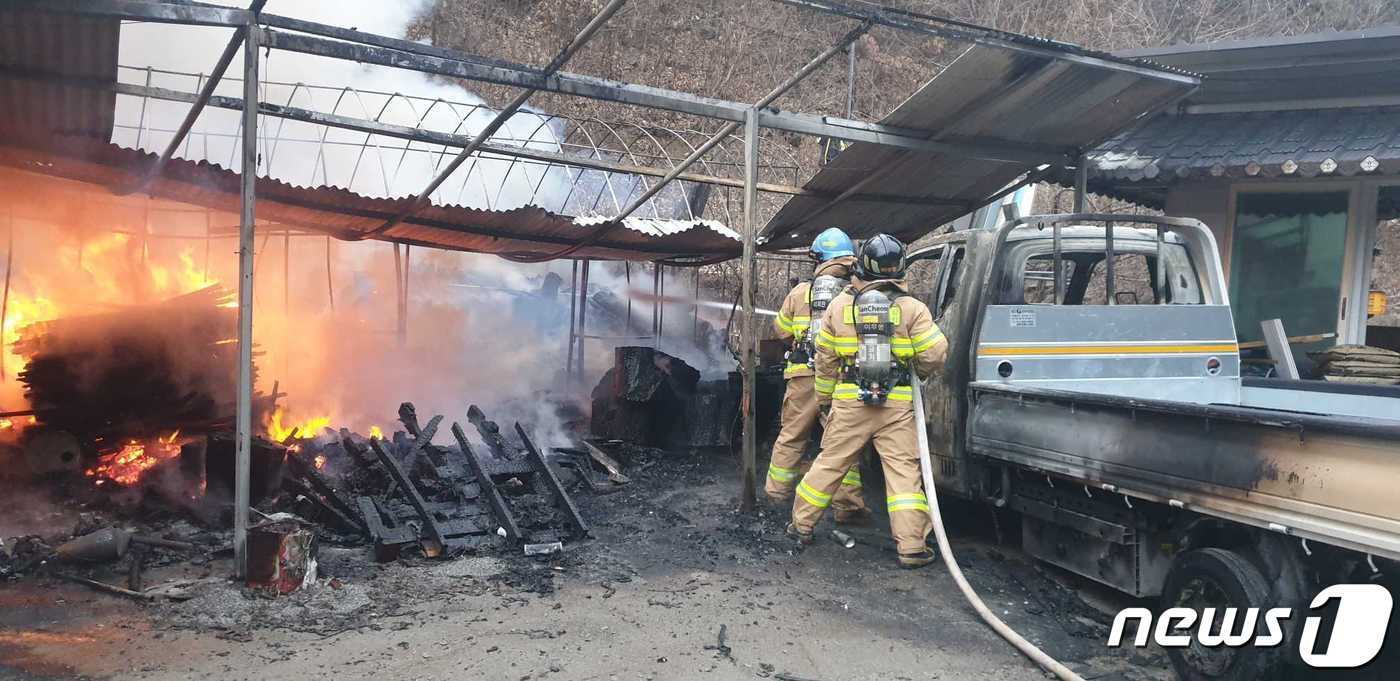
(398, 295)
(627, 274)
(403, 296)
(851, 82)
(1110, 266)
(582, 316)
(1081, 184)
(573, 322)
(244, 419)
(747, 343)
(1160, 280)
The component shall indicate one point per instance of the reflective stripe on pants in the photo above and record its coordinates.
(800, 417)
(891, 428)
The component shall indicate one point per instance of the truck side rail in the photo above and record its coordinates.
(1299, 423)
(1312, 477)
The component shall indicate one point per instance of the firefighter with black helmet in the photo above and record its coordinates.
(798, 322)
(875, 339)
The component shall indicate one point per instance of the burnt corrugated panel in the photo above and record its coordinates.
(66, 45)
(1172, 148)
(987, 95)
(344, 214)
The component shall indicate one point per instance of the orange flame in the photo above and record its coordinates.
(375, 432)
(126, 465)
(305, 430)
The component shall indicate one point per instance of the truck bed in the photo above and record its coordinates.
(1321, 397)
(1321, 477)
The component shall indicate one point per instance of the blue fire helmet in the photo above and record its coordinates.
(832, 243)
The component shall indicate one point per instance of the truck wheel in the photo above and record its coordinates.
(1217, 578)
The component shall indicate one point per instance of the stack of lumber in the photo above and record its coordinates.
(1358, 364)
(136, 372)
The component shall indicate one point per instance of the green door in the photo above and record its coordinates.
(1287, 255)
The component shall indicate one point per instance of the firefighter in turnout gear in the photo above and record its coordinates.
(804, 304)
(875, 338)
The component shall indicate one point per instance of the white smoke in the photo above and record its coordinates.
(307, 154)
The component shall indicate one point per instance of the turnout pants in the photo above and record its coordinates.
(891, 428)
(800, 416)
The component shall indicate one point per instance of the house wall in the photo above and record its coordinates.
(1210, 203)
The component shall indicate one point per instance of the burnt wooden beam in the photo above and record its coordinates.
(545, 469)
(434, 543)
(487, 486)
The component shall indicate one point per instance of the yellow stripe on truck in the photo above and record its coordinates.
(1060, 350)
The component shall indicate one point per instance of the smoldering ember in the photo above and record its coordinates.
(666, 339)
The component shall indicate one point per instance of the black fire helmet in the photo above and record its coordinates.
(881, 257)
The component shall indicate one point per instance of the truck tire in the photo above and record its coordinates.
(1218, 578)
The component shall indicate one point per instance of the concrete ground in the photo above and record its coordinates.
(675, 585)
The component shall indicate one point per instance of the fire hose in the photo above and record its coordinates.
(925, 463)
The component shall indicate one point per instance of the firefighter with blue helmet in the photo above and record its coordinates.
(799, 322)
(875, 340)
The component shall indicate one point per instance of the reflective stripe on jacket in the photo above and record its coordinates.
(794, 319)
(917, 342)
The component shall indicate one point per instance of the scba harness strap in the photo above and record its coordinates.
(875, 364)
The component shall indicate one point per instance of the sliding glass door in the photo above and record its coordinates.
(1288, 255)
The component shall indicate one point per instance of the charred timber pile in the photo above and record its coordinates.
(439, 500)
(653, 399)
(136, 372)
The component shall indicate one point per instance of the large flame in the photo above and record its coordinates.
(304, 430)
(93, 275)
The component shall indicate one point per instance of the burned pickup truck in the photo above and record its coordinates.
(1093, 386)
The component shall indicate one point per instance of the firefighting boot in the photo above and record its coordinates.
(803, 538)
(913, 561)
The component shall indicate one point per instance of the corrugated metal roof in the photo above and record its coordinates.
(65, 131)
(62, 44)
(986, 94)
(1363, 63)
(1171, 148)
(345, 214)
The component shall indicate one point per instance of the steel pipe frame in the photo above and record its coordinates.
(941, 27)
(135, 10)
(748, 350)
(192, 115)
(750, 178)
(423, 198)
(243, 442)
(418, 134)
(409, 56)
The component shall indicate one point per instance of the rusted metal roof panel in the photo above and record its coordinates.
(989, 95)
(66, 45)
(347, 215)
